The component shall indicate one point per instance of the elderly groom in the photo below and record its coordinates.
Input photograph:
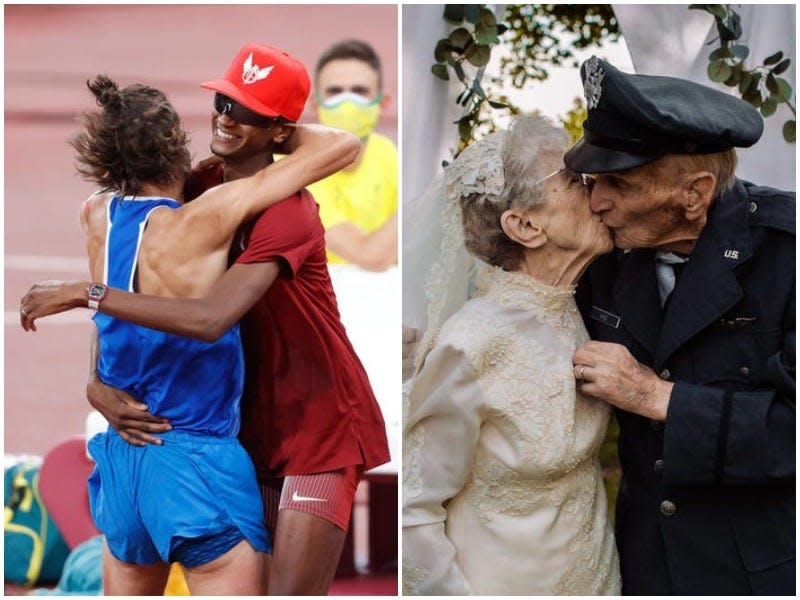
(693, 322)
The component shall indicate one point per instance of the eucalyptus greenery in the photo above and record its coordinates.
(470, 43)
(761, 86)
(534, 36)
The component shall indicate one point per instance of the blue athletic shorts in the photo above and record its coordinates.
(149, 501)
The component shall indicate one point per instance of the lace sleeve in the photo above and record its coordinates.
(443, 420)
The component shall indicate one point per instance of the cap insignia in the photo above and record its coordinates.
(591, 85)
(252, 73)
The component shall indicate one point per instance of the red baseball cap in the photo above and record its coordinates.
(267, 80)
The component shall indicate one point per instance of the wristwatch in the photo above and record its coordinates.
(96, 292)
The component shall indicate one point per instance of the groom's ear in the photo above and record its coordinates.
(524, 228)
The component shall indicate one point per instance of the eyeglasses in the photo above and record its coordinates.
(241, 114)
(585, 180)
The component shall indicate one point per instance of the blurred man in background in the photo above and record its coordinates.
(358, 205)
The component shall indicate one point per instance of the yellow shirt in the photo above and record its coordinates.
(365, 196)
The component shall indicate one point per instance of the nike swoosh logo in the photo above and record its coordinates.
(297, 498)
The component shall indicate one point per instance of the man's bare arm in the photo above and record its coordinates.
(209, 222)
(375, 251)
(204, 318)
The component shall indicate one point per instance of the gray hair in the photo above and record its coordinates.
(533, 149)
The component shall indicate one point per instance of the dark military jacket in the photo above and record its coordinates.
(707, 500)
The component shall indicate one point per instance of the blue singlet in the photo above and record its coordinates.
(194, 497)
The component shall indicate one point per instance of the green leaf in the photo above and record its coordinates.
(442, 51)
(460, 38)
(789, 131)
(735, 25)
(739, 51)
(725, 33)
(784, 89)
(744, 82)
(753, 98)
(755, 81)
(717, 10)
(736, 75)
(718, 71)
(497, 104)
(464, 130)
(719, 53)
(773, 58)
(769, 106)
(772, 84)
(440, 71)
(782, 66)
(488, 18)
(454, 13)
(486, 35)
(473, 13)
(478, 54)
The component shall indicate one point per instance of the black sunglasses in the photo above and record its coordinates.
(241, 114)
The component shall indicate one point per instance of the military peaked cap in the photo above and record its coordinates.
(635, 119)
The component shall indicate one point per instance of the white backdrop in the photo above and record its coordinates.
(673, 40)
(369, 306)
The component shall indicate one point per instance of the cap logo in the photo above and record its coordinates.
(252, 73)
(591, 86)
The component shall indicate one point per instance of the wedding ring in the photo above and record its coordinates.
(22, 312)
(580, 372)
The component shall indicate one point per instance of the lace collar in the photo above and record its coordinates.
(516, 289)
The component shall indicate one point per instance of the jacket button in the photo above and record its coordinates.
(753, 207)
(656, 425)
(745, 371)
(668, 508)
(658, 466)
(665, 374)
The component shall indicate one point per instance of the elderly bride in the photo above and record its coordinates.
(502, 490)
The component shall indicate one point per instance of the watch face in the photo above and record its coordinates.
(97, 290)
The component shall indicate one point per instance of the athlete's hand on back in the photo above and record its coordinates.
(129, 417)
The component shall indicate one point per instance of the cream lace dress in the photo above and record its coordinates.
(502, 490)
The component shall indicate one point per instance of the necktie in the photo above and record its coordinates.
(666, 263)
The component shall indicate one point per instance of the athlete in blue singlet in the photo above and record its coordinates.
(198, 385)
(193, 498)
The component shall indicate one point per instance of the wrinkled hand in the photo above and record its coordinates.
(49, 298)
(609, 372)
(129, 417)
